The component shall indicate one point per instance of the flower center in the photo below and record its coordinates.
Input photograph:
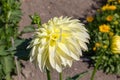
(55, 36)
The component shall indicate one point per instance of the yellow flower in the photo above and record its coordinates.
(111, 0)
(109, 18)
(58, 43)
(105, 7)
(118, 1)
(111, 34)
(94, 48)
(97, 44)
(89, 18)
(104, 28)
(112, 7)
(115, 44)
(116, 22)
(105, 46)
(109, 7)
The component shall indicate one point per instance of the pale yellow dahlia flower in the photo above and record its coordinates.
(58, 43)
(115, 44)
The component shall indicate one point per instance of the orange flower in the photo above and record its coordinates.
(109, 7)
(104, 28)
(118, 1)
(89, 19)
(109, 18)
(112, 7)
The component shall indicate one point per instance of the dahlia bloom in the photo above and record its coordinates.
(58, 43)
(115, 44)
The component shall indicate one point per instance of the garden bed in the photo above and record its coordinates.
(47, 9)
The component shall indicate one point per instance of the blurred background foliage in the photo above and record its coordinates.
(103, 27)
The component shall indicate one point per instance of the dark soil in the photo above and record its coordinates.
(50, 8)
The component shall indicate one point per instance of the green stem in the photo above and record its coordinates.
(48, 74)
(60, 76)
(6, 28)
(97, 64)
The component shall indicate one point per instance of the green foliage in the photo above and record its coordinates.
(10, 15)
(36, 19)
(101, 41)
(5, 62)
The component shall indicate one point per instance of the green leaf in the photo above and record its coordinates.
(8, 66)
(78, 76)
(3, 53)
(1, 72)
(28, 29)
(17, 42)
(7, 63)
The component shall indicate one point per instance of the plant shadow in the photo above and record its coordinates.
(22, 52)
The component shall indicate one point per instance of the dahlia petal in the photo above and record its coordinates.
(64, 48)
(52, 61)
(58, 68)
(43, 59)
(52, 50)
(83, 45)
(39, 57)
(36, 41)
(64, 62)
(58, 63)
(63, 54)
(32, 54)
(74, 49)
(69, 62)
